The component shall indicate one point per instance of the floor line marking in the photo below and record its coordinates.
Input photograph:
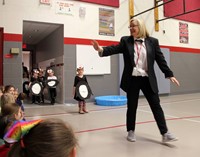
(143, 122)
(103, 109)
(72, 105)
(175, 117)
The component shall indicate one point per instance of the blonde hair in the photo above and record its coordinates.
(6, 98)
(9, 112)
(143, 32)
(2, 88)
(10, 109)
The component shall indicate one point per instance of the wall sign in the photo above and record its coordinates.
(106, 22)
(47, 2)
(183, 33)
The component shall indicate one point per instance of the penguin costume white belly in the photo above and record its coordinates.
(83, 91)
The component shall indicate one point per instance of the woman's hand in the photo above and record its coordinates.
(96, 46)
(174, 80)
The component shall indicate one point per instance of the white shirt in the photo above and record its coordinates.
(140, 58)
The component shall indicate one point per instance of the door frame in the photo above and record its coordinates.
(1, 55)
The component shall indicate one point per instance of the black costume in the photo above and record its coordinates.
(42, 81)
(81, 81)
(35, 98)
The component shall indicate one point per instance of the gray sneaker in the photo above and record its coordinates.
(168, 137)
(131, 136)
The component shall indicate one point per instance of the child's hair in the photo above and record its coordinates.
(79, 68)
(1, 91)
(10, 109)
(50, 71)
(49, 138)
(6, 98)
(22, 96)
(7, 88)
(8, 116)
(2, 88)
(35, 71)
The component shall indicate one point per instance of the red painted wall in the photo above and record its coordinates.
(177, 7)
(112, 3)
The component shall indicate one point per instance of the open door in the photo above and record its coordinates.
(1, 56)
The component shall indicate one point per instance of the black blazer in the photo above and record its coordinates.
(126, 47)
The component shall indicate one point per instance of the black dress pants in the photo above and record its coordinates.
(142, 83)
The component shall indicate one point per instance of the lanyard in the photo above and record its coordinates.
(138, 50)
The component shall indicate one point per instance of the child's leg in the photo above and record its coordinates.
(33, 99)
(54, 94)
(84, 107)
(80, 105)
(51, 95)
(42, 98)
(38, 99)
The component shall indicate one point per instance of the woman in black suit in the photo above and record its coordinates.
(140, 52)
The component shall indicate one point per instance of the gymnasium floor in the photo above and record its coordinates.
(102, 132)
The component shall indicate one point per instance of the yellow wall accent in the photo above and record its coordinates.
(156, 16)
(131, 8)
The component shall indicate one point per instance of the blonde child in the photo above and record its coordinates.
(52, 89)
(10, 112)
(6, 98)
(78, 78)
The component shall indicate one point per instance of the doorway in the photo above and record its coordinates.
(44, 47)
(26, 58)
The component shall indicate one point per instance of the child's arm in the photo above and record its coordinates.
(73, 93)
(74, 87)
(85, 78)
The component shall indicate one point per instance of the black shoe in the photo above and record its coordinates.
(52, 103)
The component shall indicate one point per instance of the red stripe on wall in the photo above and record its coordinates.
(87, 41)
(107, 43)
(74, 41)
(181, 49)
(12, 37)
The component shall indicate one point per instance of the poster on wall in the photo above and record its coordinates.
(63, 7)
(183, 33)
(46, 2)
(106, 22)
